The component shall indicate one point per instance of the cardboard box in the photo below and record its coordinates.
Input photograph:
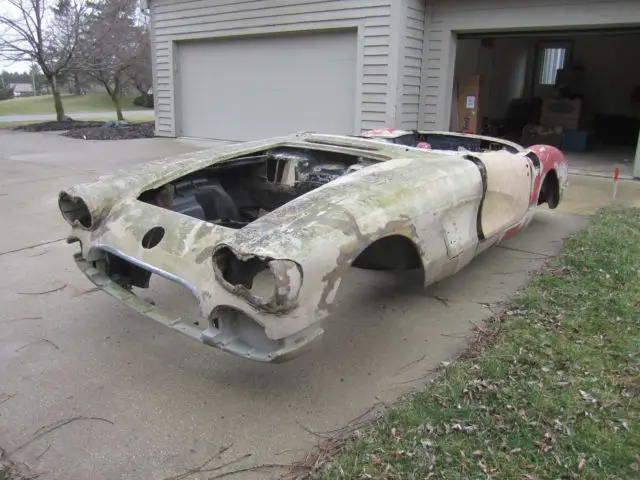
(541, 135)
(469, 108)
(563, 112)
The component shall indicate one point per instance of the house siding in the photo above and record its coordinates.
(175, 21)
(444, 19)
(411, 67)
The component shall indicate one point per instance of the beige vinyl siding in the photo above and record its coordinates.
(446, 18)
(434, 81)
(174, 21)
(411, 64)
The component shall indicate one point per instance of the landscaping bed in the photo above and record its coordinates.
(550, 389)
(114, 131)
(55, 126)
(94, 130)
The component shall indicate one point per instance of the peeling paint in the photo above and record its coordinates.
(429, 198)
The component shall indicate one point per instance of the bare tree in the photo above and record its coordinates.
(45, 32)
(110, 46)
(140, 74)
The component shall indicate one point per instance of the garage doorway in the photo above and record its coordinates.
(576, 89)
(256, 87)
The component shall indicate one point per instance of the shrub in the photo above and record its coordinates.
(6, 93)
(145, 101)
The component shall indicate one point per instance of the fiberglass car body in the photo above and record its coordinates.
(262, 233)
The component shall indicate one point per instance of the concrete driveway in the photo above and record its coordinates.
(89, 389)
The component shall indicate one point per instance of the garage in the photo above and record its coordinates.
(251, 69)
(564, 74)
(254, 87)
(576, 90)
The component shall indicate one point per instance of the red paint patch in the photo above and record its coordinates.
(511, 232)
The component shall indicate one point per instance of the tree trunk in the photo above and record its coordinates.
(114, 94)
(57, 100)
(116, 103)
(76, 84)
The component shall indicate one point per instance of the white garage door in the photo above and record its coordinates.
(257, 87)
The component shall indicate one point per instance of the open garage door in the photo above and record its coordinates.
(257, 87)
(575, 89)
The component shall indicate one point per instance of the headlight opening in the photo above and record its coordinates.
(75, 210)
(267, 283)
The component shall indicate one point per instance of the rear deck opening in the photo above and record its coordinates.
(445, 141)
(236, 192)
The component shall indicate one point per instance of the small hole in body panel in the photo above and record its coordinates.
(153, 237)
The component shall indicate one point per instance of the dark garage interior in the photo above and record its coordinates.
(577, 90)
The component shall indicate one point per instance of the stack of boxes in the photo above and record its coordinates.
(564, 121)
(569, 115)
(469, 112)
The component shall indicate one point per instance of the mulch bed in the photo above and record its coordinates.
(114, 132)
(92, 130)
(55, 126)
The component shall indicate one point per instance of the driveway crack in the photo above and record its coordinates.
(32, 246)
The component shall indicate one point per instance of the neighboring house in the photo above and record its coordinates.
(240, 70)
(21, 89)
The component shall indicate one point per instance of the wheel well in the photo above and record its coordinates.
(395, 252)
(550, 190)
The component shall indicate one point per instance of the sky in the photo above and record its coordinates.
(4, 65)
(13, 67)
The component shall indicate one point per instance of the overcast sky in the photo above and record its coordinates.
(10, 66)
(15, 67)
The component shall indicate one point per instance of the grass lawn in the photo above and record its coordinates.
(551, 389)
(93, 102)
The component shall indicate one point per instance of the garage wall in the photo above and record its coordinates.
(447, 18)
(199, 19)
(503, 66)
(412, 31)
(609, 60)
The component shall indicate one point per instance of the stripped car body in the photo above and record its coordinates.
(262, 233)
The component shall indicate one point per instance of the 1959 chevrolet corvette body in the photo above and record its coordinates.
(262, 233)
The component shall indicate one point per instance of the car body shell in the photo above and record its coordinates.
(439, 202)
